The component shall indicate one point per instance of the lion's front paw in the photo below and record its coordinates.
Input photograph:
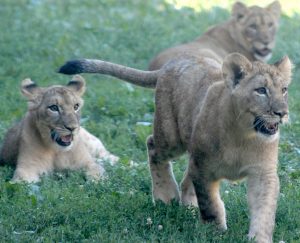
(165, 192)
(23, 176)
(259, 237)
(113, 159)
(188, 197)
(95, 172)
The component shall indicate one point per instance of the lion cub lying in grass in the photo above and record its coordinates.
(49, 137)
(226, 116)
(250, 31)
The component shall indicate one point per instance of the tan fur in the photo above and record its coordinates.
(30, 146)
(226, 116)
(249, 31)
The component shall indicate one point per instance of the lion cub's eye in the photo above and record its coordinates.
(284, 90)
(261, 91)
(76, 107)
(53, 107)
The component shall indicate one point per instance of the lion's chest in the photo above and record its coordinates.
(69, 159)
(64, 160)
(234, 162)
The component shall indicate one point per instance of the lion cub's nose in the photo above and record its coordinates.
(280, 113)
(70, 128)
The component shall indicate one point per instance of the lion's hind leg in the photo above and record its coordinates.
(164, 185)
(188, 195)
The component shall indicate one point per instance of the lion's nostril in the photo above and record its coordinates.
(280, 113)
(70, 128)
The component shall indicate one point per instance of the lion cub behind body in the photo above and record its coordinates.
(226, 116)
(250, 31)
(49, 137)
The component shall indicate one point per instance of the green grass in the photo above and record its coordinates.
(36, 38)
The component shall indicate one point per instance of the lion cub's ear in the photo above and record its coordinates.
(285, 66)
(235, 67)
(31, 92)
(30, 89)
(239, 10)
(77, 85)
(275, 9)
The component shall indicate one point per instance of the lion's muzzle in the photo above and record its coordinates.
(265, 127)
(62, 140)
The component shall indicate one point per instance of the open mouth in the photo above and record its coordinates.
(263, 52)
(62, 140)
(264, 127)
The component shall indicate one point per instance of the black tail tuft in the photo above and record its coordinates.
(71, 67)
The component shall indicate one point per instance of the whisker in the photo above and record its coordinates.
(238, 116)
(258, 122)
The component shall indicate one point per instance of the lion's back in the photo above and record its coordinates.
(11, 144)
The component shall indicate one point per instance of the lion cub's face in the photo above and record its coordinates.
(256, 28)
(56, 110)
(259, 93)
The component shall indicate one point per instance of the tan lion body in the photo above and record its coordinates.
(226, 116)
(29, 146)
(250, 31)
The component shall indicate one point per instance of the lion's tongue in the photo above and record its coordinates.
(66, 139)
(271, 126)
(264, 51)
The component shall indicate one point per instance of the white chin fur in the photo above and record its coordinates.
(63, 148)
(263, 58)
(268, 138)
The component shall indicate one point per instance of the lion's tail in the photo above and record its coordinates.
(146, 79)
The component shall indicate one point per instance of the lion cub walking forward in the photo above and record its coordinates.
(227, 117)
(49, 137)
